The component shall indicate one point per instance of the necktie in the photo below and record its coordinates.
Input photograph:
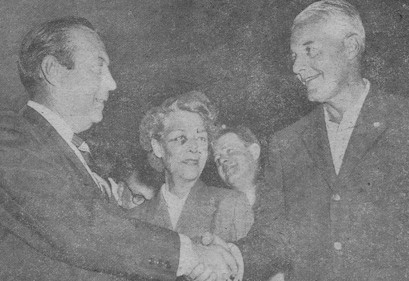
(85, 151)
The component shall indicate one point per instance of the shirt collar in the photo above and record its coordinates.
(171, 198)
(54, 119)
(352, 113)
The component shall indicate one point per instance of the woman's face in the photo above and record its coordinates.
(184, 146)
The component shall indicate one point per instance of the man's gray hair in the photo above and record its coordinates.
(339, 12)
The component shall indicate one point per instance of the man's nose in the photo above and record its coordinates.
(223, 159)
(109, 81)
(298, 64)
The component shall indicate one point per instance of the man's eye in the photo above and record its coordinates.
(179, 139)
(97, 68)
(312, 52)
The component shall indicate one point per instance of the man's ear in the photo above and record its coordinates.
(157, 148)
(52, 70)
(255, 150)
(352, 46)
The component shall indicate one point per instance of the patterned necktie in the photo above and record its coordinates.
(86, 153)
(84, 149)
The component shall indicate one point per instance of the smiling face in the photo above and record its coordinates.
(85, 88)
(235, 162)
(184, 146)
(320, 62)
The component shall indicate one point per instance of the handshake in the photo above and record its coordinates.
(217, 260)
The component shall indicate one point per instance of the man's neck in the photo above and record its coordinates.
(247, 187)
(50, 104)
(337, 106)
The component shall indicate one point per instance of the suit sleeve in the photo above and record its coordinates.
(59, 216)
(265, 250)
(243, 217)
(234, 217)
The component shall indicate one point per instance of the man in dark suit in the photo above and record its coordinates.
(56, 222)
(337, 207)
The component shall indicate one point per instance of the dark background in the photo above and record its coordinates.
(236, 52)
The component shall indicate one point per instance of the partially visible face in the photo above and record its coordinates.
(86, 87)
(184, 145)
(233, 159)
(319, 59)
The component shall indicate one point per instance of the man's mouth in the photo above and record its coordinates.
(229, 169)
(305, 81)
(99, 103)
(193, 162)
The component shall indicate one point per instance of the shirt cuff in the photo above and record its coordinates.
(235, 251)
(188, 258)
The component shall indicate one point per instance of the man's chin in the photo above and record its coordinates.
(96, 117)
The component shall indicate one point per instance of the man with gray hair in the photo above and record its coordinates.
(338, 204)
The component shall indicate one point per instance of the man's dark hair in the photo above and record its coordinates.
(244, 134)
(50, 38)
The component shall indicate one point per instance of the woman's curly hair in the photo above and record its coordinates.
(152, 124)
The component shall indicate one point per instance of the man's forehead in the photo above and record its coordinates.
(308, 31)
(86, 39)
(228, 139)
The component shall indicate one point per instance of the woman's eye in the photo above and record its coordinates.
(179, 139)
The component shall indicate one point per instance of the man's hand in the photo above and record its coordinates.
(215, 263)
(212, 239)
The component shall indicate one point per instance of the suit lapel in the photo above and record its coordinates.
(56, 144)
(315, 138)
(197, 212)
(371, 123)
(159, 212)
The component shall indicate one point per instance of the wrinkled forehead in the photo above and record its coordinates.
(316, 30)
(318, 24)
(228, 140)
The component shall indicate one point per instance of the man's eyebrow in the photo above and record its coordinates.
(174, 130)
(308, 43)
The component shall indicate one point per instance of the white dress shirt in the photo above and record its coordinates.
(173, 203)
(188, 258)
(339, 134)
(65, 131)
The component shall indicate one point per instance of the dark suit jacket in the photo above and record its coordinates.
(224, 212)
(54, 222)
(304, 228)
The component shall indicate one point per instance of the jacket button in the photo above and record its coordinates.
(167, 264)
(151, 261)
(338, 246)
